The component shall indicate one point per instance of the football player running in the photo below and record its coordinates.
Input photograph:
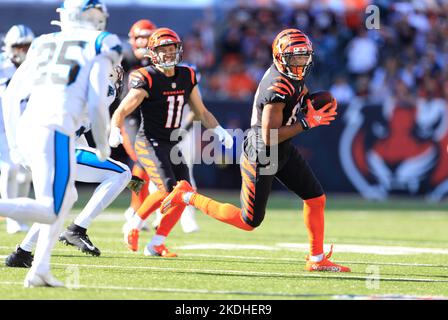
(68, 74)
(112, 176)
(276, 119)
(15, 181)
(161, 91)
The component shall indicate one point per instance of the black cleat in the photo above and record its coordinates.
(80, 240)
(19, 259)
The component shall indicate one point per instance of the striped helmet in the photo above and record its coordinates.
(164, 37)
(288, 44)
(17, 35)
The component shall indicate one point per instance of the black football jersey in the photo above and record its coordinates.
(162, 111)
(276, 87)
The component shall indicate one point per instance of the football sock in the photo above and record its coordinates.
(157, 240)
(169, 219)
(224, 212)
(31, 237)
(151, 203)
(313, 213)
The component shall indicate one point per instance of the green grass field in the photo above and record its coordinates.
(397, 249)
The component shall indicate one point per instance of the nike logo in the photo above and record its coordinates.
(280, 96)
(88, 245)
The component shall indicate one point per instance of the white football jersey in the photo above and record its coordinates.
(63, 61)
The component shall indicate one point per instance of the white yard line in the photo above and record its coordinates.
(248, 293)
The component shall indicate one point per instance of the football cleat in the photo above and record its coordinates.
(80, 240)
(132, 239)
(158, 251)
(325, 264)
(19, 259)
(175, 197)
(41, 280)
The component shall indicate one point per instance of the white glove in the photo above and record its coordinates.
(102, 152)
(115, 138)
(224, 137)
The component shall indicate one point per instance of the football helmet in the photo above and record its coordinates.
(292, 52)
(17, 42)
(84, 14)
(164, 37)
(142, 28)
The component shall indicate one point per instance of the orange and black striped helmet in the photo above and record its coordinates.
(286, 45)
(141, 28)
(164, 37)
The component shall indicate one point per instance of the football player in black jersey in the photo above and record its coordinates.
(161, 91)
(281, 110)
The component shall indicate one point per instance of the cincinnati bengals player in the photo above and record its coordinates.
(280, 96)
(134, 59)
(161, 91)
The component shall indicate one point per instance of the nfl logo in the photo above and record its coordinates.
(173, 85)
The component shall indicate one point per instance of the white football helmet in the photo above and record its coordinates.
(84, 14)
(17, 41)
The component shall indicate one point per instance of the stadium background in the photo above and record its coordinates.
(391, 83)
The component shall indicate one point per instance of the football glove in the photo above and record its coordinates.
(224, 137)
(115, 138)
(321, 117)
(136, 184)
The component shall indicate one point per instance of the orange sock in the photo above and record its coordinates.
(224, 212)
(169, 220)
(313, 212)
(151, 203)
(137, 199)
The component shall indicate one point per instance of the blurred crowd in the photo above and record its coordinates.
(406, 57)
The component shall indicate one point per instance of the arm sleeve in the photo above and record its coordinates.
(97, 100)
(18, 90)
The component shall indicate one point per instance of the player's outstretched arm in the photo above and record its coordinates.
(130, 102)
(207, 118)
(97, 105)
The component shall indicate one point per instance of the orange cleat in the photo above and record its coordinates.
(325, 265)
(159, 251)
(175, 197)
(133, 239)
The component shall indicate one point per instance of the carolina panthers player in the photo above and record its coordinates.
(113, 177)
(14, 180)
(68, 73)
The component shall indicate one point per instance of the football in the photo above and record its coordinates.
(319, 99)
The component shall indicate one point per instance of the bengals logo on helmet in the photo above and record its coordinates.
(141, 28)
(164, 37)
(288, 44)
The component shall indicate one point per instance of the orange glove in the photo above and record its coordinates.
(321, 117)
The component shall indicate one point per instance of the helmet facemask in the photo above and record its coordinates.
(165, 57)
(296, 65)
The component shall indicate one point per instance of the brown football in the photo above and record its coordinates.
(320, 98)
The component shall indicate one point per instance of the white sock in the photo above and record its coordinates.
(157, 240)
(317, 258)
(31, 238)
(137, 222)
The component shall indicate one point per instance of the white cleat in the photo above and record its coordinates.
(33, 280)
(188, 222)
(126, 229)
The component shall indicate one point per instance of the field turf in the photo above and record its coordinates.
(397, 249)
